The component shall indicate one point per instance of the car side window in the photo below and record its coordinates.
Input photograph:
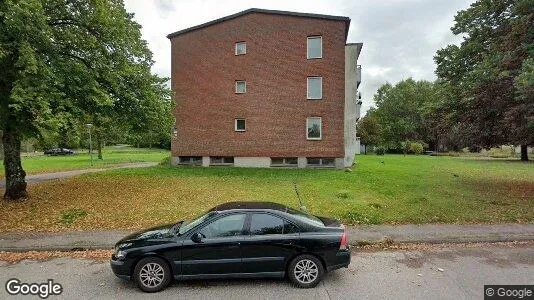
(263, 224)
(290, 228)
(230, 225)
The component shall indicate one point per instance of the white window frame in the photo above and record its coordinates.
(320, 129)
(284, 162)
(321, 162)
(308, 88)
(245, 82)
(308, 46)
(222, 163)
(240, 130)
(190, 161)
(240, 43)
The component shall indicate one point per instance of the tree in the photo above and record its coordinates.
(368, 130)
(404, 112)
(491, 73)
(66, 59)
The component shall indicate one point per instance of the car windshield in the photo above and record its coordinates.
(187, 225)
(310, 219)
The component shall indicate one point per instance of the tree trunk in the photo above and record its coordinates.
(15, 175)
(524, 152)
(99, 146)
(1, 147)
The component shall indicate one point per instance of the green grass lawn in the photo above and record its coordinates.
(111, 156)
(388, 189)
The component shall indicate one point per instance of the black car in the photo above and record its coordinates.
(59, 151)
(235, 240)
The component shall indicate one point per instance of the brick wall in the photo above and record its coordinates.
(204, 70)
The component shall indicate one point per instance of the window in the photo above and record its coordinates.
(240, 48)
(230, 225)
(190, 160)
(321, 162)
(240, 125)
(315, 87)
(315, 47)
(290, 228)
(284, 161)
(188, 225)
(310, 219)
(221, 160)
(262, 224)
(315, 161)
(240, 87)
(314, 130)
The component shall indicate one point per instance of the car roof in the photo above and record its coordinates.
(250, 205)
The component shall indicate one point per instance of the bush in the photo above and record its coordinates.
(410, 147)
(500, 152)
(380, 150)
(166, 161)
(416, 148)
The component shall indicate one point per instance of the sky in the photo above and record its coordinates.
(400, 37)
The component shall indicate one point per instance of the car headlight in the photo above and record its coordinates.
(119, 250)
(120, 254)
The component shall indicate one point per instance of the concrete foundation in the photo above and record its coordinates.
(259, 162)
(252, 162)
(301, 162)
(340, 163)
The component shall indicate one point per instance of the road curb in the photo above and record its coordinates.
(358, 236)
(386, 242)
(439, 233)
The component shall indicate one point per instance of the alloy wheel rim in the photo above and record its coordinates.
(306, 271)
(151, 275)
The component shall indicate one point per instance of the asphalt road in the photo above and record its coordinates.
(435, 273)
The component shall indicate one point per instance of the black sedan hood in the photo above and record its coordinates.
(151, 233)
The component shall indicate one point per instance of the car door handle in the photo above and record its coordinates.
(289, 243)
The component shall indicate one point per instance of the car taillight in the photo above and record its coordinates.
(344, 245)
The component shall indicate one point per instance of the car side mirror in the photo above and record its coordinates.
(197, 237)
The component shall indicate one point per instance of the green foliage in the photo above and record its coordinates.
(369, 130)
(67, 63)
(490, 75)
(410, 147)
(380, 150)
(416, 148)
(166, 161)
(406, 111)
(504, 152)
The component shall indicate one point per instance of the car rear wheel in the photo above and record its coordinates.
(152, 274)
(305, 271)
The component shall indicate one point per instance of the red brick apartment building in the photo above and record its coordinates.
(264, 88)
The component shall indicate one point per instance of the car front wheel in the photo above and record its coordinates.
(305, 271)
(152, 274)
